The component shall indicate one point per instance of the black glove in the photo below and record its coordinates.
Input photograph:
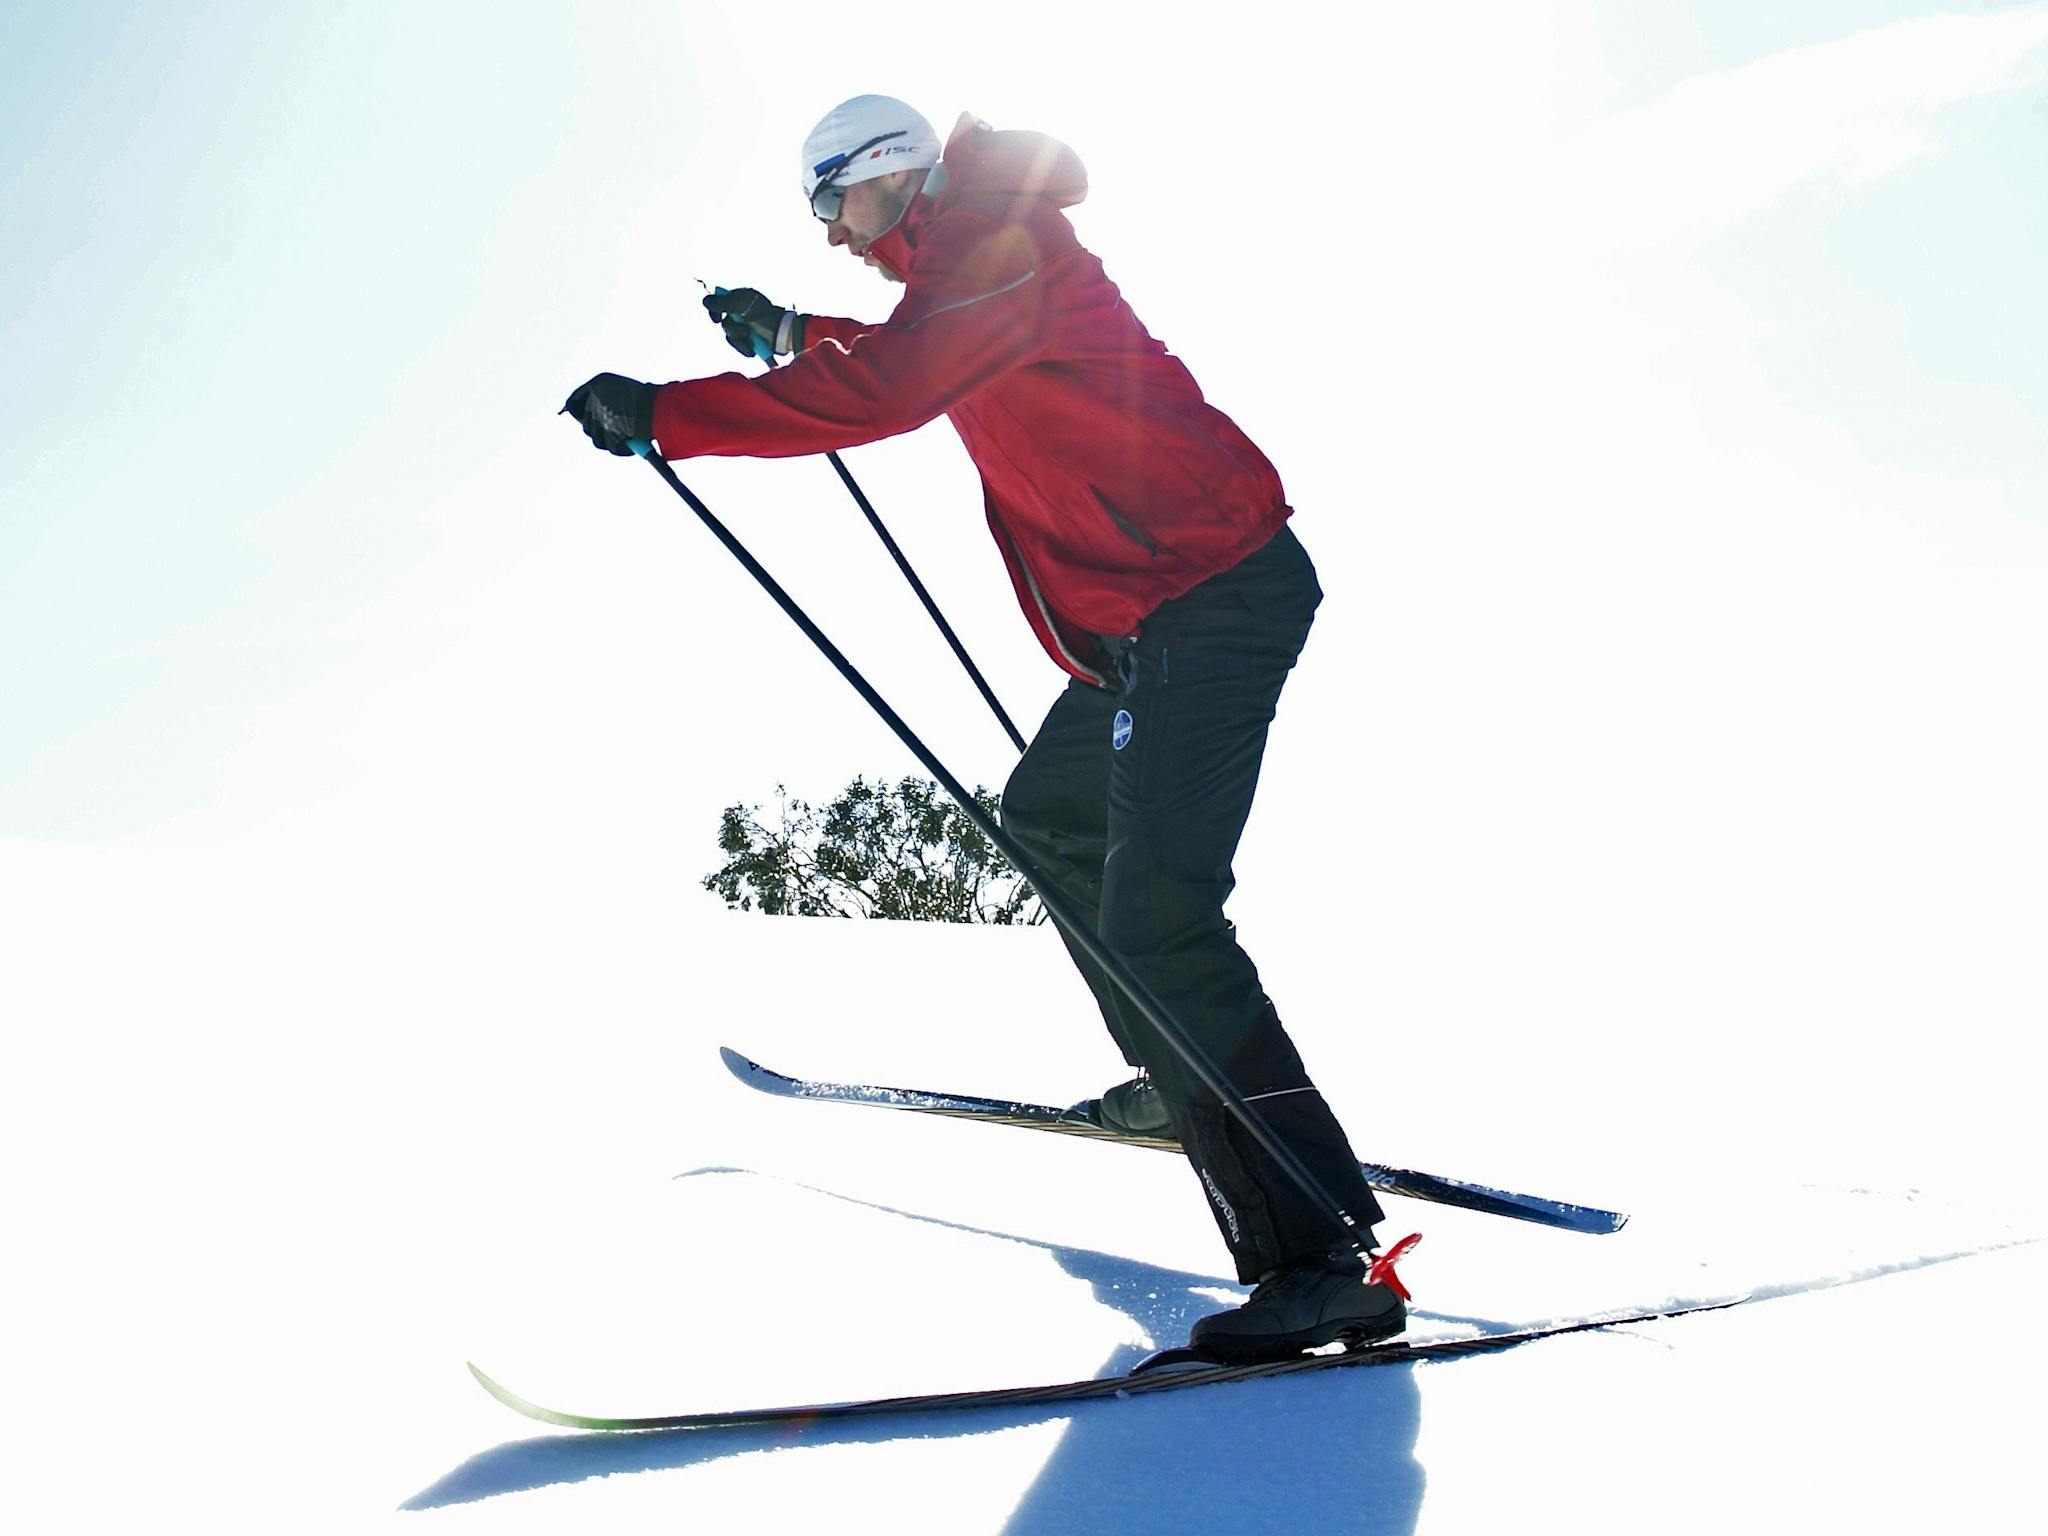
(746, 314)
(613, 409)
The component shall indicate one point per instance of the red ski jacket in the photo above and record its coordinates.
(1110, 484)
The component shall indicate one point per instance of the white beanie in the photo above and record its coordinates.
(852, 124)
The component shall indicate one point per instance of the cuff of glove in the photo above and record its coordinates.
(789, 336)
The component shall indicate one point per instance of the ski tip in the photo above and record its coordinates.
(756, 1076)
(504, 1395)
(519, 1404)
(750, 1071)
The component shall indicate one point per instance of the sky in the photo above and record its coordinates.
(1591, 340)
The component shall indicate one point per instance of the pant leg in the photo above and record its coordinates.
(1056, 805)
(1200, 688)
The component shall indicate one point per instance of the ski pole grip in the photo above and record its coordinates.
(641, 446)
(762, 349)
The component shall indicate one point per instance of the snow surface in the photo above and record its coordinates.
(281, 1165)
(1656, 818)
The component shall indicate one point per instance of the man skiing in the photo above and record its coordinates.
(1147, 540)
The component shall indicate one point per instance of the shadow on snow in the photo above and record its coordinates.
(1205, 1458)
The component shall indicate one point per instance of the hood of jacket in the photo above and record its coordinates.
(984, 162)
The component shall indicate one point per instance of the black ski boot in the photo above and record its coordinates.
(1326, 1298)
(1129, 1109)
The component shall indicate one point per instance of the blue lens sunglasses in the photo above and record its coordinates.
(828, 196)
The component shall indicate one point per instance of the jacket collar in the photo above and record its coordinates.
(896, 249)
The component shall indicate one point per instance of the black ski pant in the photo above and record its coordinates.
(1131, 800)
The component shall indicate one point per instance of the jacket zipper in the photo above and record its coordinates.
(1129, 529)
(1052, 629)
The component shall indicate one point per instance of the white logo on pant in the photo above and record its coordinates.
(1223, 1205)
(1120, 731)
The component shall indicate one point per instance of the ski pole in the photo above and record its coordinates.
(930, 607)
(766, 353)
(1119, 970)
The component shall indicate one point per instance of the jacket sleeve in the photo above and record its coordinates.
(819, 328)
(973, 311)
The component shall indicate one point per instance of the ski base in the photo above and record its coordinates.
(1043, 1117)
(1168, 1371)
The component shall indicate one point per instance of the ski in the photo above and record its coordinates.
(1043, 1117)
(1173, 1370)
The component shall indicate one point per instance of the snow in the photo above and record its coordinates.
(283, 1161)
(1655, 819)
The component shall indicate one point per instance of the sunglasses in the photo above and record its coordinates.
(828, 196)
